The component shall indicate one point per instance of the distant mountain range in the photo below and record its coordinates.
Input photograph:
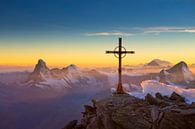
(68, 77)
(72, 76)
(158, 62)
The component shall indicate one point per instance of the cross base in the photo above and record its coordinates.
(120, 89)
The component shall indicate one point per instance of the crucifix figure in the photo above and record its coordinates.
(120, 52)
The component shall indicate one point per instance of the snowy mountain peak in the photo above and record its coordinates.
(65, 78)
(180, 67)
(179, 73)
(40, 71)
(41, 66)
(41, 63)
(158, 62)
(72, 67)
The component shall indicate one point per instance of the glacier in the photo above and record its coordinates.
(153, 86)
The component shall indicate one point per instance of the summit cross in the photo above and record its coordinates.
(120, 52)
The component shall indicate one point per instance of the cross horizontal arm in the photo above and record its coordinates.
(128, 52)
(122, 52)
(108, 52)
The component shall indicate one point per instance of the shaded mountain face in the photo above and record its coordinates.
(40, 72)
(158, 62)
(179, 73)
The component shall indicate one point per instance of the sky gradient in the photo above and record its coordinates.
(78, 32)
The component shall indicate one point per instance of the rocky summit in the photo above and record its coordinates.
(128, 112)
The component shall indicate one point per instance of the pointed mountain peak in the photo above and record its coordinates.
(40, 71)
(40, 66)
(41, 62)
(72, 67)
(179, 73)
(181, 66)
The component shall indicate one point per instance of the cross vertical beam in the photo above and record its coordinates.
(120, 87)
(120, 54)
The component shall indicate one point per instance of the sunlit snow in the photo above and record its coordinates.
(152, 87)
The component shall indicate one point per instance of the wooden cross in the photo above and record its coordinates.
(120, 52)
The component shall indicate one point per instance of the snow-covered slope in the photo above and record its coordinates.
(179, 73)
(68, 77)
(153, 87)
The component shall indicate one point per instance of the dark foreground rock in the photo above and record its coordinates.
(128, 112)
(71, 125)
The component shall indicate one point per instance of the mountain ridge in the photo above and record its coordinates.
(67, 77)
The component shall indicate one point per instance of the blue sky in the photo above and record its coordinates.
(74, 16)
(78, 23)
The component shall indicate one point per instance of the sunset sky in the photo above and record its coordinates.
(63, 32)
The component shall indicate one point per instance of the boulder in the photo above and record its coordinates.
(151, 100)
(158, 95)
(177, 97)
(89, 109)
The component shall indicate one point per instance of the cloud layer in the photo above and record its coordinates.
(109, 34)
(147, 30)
(169, 29)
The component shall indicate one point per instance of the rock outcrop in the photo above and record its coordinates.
(128, 112)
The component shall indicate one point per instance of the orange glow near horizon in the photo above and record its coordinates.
(91, 58)
(91, 52)
(107, 61)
